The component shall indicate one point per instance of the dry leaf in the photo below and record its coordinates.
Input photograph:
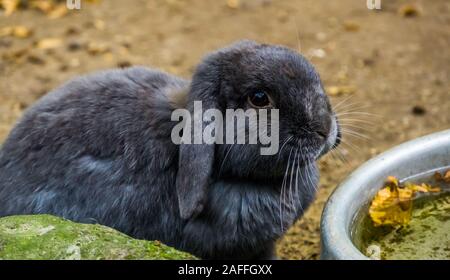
(97, 48)
(442, 178)
(447, 176)
(45, 6)
(393, 203)
(49, 43)
(425, 188)
(340, 90)
(19, 31)
(58, 12)
(351, 26)
(234, 4)
(10, 6)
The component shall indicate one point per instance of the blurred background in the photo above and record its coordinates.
(386, 70)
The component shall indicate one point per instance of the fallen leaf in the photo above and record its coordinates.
(97, 48)
(447, 176)
(424, 188)
(392, 205)
(49, 43)
(45, 6)
(340, 90)
(234, 4)
(442, 178)
(351, 26)
(19, 31)
(10, 6)
(58, 12)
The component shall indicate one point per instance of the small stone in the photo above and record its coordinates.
(368, 62)
(321, 36)
(351, 26)
(319, 53)
(74, 46)
(409, 10)
(74, 62)
(72, 31)
(99, 24)
(64, 68)
(418, 110)
(374, 252)
(34, 59)
(124, 64)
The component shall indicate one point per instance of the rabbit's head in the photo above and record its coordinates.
(259, 76)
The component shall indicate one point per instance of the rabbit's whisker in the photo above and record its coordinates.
(342, 103)
(353, 120)
(351, 106)
(282, 192)
(282, 146)
(352, 146)
(289, 197)
(354, 133)
(351, 125)
(296, 183)
(342, 156)
(358, 113)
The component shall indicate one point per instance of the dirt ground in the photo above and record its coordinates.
(389, 67)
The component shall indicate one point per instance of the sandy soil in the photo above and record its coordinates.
(376, 62)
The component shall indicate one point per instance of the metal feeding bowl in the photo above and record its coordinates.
(414, 157)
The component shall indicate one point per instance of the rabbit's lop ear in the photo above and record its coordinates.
(193, 178)
(196, 160)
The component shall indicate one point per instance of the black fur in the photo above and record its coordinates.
(98, 150)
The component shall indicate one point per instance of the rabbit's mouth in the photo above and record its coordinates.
(312, 144)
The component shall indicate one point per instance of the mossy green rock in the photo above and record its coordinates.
(49, 237)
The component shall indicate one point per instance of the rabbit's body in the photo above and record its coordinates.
(99, 150)
(77, 154)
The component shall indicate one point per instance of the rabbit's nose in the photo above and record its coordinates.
(322, 123)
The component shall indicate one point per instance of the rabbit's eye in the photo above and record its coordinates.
(259, 99)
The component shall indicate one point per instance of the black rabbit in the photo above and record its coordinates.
(99, 150)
